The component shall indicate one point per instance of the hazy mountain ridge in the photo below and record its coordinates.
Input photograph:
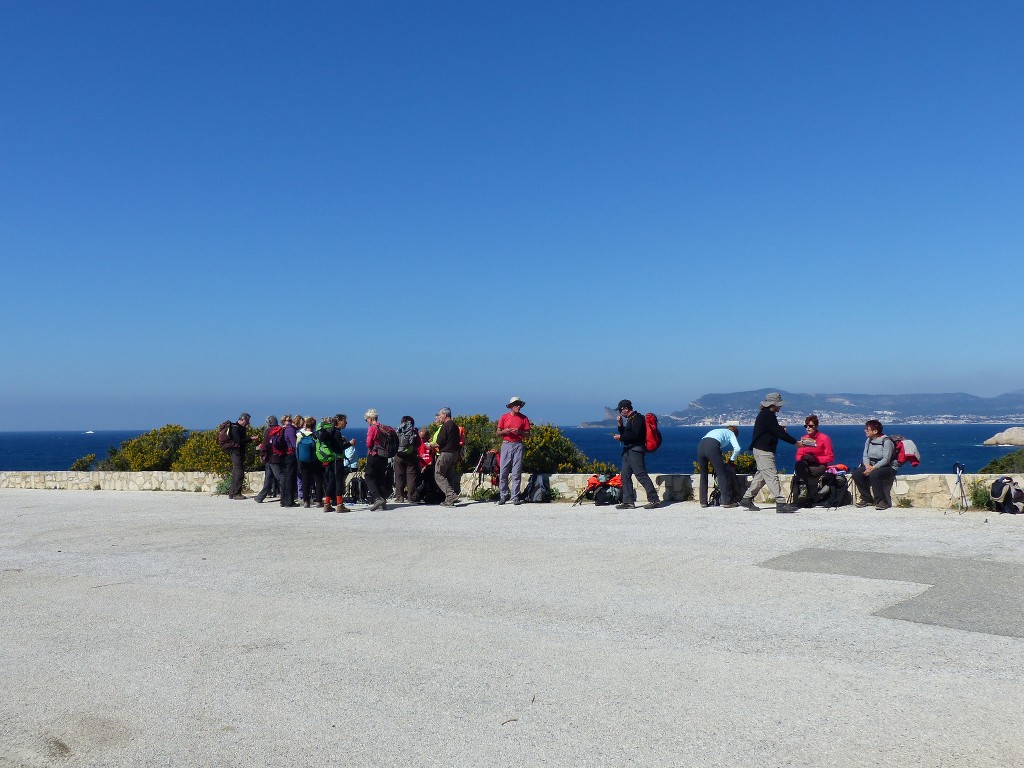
(846, 408)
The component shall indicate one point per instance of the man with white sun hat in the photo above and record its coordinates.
(513, 428)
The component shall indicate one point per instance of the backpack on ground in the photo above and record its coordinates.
(1007, 496)
(834, 490)
(594, 485)
(653, 433)
(607, 495)
(224, 437)
(731, 479)
(488, 465)
(385, 444)
(357, 491)
(538, 489)
(905, 450)
(305, 449)
(427, 489)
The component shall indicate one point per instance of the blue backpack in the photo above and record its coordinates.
(305, 449)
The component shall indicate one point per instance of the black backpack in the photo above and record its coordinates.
(538, 490)
(427, 489)
(1007, 497)
(607, 495)
(357, 490)
(833, 492)
(385, 444)
(407, 435)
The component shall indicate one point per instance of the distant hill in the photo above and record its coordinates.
(846, 408)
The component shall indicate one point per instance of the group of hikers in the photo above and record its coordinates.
(308, 461)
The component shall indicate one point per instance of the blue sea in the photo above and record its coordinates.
(941, 445)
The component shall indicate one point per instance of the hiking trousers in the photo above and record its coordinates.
(511, 464)
(710, 452)
(444, 473)
(376, 467)
(767, 474)
(634, 464)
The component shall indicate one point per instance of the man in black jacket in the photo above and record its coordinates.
(767, 433)
(633, 436)
(239, 434)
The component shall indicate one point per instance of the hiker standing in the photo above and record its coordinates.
(710, 451)
(446, 442)
(513, 428)
(767, 433)
(633, 436)
(376, 464)
(238, 433)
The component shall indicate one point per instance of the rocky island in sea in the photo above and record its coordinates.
(845, 408)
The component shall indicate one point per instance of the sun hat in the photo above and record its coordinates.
(514, 400)
(772, 398)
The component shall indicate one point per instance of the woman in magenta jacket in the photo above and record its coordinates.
(813, 455)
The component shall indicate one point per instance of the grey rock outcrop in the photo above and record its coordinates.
(1011, 436)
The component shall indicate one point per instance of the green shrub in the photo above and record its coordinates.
(1011, 464)
(745, 464)
(904, 502)
(480, 438)
(201, 453)
(978, 493)
(83, 464)
(154, 451)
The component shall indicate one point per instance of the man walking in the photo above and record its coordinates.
(513, 428)
(446, 442)
(710, 451)
(767, 433)
(633, 436)
(238, 433)
(272, 472)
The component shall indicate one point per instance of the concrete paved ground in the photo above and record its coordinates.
(143, 629)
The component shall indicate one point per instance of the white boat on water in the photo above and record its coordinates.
(89, 432)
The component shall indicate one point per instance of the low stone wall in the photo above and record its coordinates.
(936, 491)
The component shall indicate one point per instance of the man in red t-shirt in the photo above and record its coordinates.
(513, 428)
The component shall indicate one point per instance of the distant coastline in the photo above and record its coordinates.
(668, 422)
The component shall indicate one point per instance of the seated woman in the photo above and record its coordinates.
(875, 476)
(813, 455)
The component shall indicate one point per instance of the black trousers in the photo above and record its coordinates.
(876, 486)
(288, 480)
(312, 473)
(709, 452)
(376, 466)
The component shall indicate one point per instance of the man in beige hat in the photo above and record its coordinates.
(513, 428)
(767, 433)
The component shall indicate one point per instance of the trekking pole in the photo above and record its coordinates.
(961, 501)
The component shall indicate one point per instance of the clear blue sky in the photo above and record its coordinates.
(215, 207)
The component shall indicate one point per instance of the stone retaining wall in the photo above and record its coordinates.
(936, 491)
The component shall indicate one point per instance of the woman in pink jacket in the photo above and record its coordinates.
(813, 455)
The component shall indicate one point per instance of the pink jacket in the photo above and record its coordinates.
(822, 451)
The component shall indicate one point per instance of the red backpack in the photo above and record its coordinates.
(653, 433)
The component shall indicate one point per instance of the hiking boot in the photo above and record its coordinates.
(624, 505)
(730, 505)
(378, 504)
(501, 501)
(783, 508)
(882, 505)
(652, 505)
(341, 508)
(305, 504)
(517, 502)
(864, 503)
(749, 504)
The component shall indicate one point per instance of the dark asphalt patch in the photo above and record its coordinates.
(971, 595)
